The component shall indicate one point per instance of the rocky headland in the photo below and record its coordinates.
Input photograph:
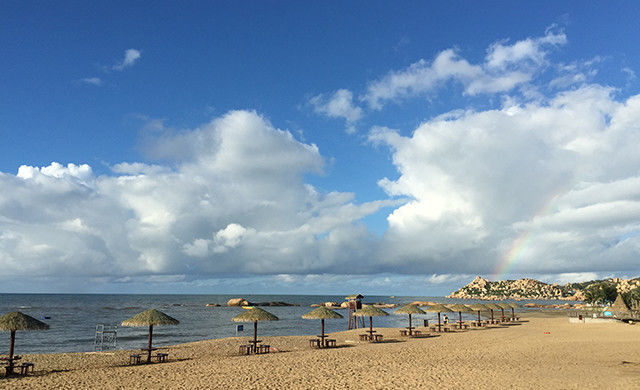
(526, 288)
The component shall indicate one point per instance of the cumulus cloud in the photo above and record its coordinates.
(338, 105)
(504, 68)
(230, 200)
(562, 174)
(131, 56)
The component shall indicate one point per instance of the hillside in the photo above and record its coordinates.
(526, 288)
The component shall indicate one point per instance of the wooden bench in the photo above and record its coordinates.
(25, 367)
(161, 357)
(263, 348)
(330, 343)
(417, 333)
(134, 359)
(377, 338)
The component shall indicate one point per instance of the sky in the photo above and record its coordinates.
(316, 147)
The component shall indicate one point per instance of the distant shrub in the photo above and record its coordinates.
(601, 293)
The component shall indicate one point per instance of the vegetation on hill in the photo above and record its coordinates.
(594, 291)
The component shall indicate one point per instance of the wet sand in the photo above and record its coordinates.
(544, 351)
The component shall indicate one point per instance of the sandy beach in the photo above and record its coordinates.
(544, 351)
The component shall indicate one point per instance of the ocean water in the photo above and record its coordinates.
(73, 318)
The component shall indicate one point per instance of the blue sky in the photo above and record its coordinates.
(382, 161)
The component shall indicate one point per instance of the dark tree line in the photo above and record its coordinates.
(605, 293)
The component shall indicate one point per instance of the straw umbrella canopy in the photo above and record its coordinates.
(502, 306)
(370, 311)
(492, 307)
(254, 315)
(460, 308)
(513, 306)
(437, 308)
(11, 322)
(478, 307)
(409, 309)
(150, 318)
(321, 313)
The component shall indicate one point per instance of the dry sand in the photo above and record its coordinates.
(569, 356)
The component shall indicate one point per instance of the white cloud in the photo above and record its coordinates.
(562, 172)
(232, 201)
(93, 81)
(338, 105)
(131, 56)
(504, 68)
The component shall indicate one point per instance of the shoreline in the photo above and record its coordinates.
(552, 353)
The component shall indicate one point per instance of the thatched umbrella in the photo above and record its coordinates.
(370, 311)
(513, 306)
(437, 308)
(478, 307)
(492, 307)
(150, 318)
(11, 322)
(254, 315)
(460, 308)
(409, 309)
(502, 306)
(321, 313)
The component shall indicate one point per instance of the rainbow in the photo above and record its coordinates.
(521, 243)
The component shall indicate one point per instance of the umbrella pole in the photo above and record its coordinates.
(439, 326)
(410, 324)
(149, 346)
(460, 314)
(11, 344)
(322, 339)
(255, 335)
(502, 310)
(371, 325)
(513, 314)
(491, 315)
(478, 317)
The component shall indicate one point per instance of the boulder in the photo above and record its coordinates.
(238, 302)
(331, 304)
(213, 304)
(315, 305)
(384, 305)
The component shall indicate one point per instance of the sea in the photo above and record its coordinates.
(73, 318)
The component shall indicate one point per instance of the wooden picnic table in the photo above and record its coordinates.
(10, 363)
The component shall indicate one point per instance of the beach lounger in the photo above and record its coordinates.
(314, 343)
(330, 343)
(134, 359)
(245, 349)
(161, 357)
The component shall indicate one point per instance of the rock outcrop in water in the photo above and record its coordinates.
(244, 302)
